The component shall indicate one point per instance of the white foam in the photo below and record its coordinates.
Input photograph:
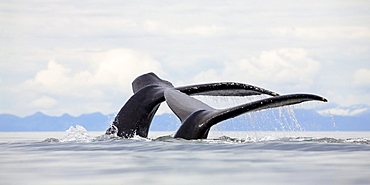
(77, 134)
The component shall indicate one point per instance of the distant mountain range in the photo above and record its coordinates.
(271, 120)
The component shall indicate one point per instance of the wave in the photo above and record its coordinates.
(80, 135)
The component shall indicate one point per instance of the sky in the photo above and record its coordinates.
(80, 57)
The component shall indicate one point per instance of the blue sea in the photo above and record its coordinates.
(86, 158)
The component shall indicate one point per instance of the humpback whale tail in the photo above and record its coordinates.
(197, 117)
(137, 113)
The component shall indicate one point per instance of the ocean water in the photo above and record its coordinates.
(80, 157)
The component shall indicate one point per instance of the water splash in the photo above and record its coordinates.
(77, 134)
(277, 119)
(332, 120)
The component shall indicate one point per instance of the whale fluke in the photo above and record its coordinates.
(225, 89)
(137, 113)
(197, 117)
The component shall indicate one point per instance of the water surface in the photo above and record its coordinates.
(81, 157)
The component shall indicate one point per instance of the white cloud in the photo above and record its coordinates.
(208, 31)
(109, 71)
(43, 102)
(182, 30)
(348, 99)
(218, 41)
(342, 111)
(121, 66)
(333, 32)
(54, 79)
(101, 86)
(151, 26)
(289, 67)
(361, 77)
